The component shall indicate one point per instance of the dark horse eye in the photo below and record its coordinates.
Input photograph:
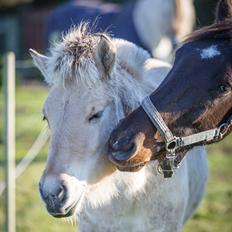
(225, 88)
(96, 116)
(44, 118)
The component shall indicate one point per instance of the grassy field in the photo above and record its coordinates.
(215, 213)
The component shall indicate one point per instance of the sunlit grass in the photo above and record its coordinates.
(215, 213)
(30, 211)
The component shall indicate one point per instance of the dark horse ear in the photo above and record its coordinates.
(224, 10)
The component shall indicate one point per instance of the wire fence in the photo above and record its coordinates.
(12, 172)
(36, 147)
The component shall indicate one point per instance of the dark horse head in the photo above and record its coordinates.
(195, 96)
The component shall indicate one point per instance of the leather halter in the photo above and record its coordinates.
(172, 143)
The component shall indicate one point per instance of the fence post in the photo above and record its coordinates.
(9, 139)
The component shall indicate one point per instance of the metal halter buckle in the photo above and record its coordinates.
(166, 167)
(168, 164)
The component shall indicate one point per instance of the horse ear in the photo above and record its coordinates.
(40, 61)
(223, 10)
(105, 55)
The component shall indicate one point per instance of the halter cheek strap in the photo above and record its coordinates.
(173, 143)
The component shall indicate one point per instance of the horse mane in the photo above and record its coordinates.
(74, 56)
(221, 30)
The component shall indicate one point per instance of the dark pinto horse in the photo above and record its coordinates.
(195, 96)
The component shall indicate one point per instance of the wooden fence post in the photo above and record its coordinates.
(9, 139)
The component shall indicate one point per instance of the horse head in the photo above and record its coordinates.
(195, 96)
(77, 111)
(94, 82)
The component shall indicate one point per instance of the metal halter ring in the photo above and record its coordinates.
(172, 145)
(223, 129)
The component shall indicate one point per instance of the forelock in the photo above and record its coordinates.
(73, 56)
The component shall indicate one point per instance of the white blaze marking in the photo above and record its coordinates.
(210, 52)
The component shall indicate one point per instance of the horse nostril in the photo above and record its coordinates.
(122, 144)
(114, 146)
(58, 193)
(124, 154)
(61, 194)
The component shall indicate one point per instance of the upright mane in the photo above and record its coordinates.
(74, 57)
(221, 30)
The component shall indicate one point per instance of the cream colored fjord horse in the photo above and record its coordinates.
(94, 82)
(162, 24)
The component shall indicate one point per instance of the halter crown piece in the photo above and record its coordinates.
(172, 143)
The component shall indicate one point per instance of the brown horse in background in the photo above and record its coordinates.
(195, 96)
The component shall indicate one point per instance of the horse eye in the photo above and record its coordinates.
(44, 118)
(96, 116)
(225, 88)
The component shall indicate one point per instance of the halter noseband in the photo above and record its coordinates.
(172, 143)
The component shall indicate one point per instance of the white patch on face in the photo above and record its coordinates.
(210, 52)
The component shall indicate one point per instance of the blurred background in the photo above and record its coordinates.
(36, 24)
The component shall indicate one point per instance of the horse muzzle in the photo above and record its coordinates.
(124, 152)
(60, 197)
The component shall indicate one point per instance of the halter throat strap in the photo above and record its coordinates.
(172, 143)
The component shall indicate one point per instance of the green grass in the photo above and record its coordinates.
(30, 211)
(214, 214)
